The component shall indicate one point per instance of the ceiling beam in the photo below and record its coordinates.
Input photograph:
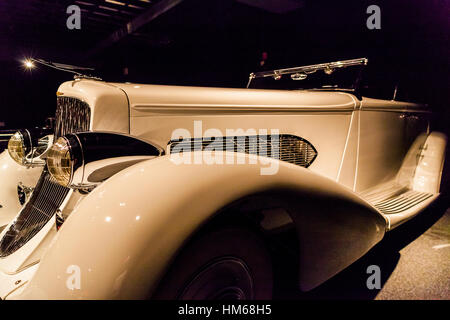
(144, 18)
(275, 6)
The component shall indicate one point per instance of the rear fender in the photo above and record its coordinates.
(424, 163)
(124, 234)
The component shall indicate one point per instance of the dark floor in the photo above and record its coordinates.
(414, 261)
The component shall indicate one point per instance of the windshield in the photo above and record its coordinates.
(340, 75)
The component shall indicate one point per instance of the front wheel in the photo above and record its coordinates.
(224, 264)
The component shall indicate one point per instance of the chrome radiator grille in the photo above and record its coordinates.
(283, 147)
(72, 115)
(46, 199)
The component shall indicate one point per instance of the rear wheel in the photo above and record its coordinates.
(225, 264)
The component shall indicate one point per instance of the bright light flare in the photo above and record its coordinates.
(28, 64)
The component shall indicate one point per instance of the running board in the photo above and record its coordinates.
(417, 183)
(402, 202)
(398, 204)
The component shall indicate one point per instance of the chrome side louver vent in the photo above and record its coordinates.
(283, 147)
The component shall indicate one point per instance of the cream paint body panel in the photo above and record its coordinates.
(392, 105)
(11, 174)
(428, 173)
(349, 161)
(381, 148)
(109, 104)
(13, 284)
(145, 99)
(386, 133)
(322, 118)
(408, 169)
(123, 240)
(329, 139)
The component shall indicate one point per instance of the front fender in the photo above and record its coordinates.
(125, 233)
(11, 174)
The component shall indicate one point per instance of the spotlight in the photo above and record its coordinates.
(28, 64)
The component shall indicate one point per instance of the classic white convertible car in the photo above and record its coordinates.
(167, 192)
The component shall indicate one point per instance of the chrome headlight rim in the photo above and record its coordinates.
(23, 138)
(27, 147)
(88, 153)
(39, 150)
(63, 159)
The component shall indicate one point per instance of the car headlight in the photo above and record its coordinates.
(85, 159)
(60, 162)
(28, 146)
(19, 145)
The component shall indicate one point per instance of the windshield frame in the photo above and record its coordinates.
(303, 71)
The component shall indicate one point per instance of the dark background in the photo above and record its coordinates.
(218, 43)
